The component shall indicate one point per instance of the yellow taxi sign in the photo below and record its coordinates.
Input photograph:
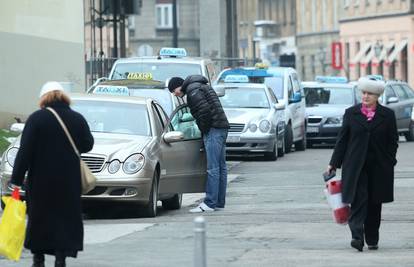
(261, 65)
(139, 76)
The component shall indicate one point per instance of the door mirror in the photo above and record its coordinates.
(17, 127)
(279, 106)
(296, 97)
(186, 117)
(174, 136)
(220, 91)
(392, 99)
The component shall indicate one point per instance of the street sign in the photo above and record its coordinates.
(336, 55)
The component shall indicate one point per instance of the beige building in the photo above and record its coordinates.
(266, 30)
(40, 41)
(378, 38)
(317, 28)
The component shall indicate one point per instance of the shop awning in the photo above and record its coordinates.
(397, 50)
(384, 52)
(367, 59)
(361, 54)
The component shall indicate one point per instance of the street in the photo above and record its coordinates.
(276, 215)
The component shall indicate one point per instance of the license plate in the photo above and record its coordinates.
(233, 139)
(312, 129)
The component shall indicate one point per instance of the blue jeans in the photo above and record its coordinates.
(215, 146)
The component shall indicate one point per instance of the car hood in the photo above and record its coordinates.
(326, 110)
(245, 115)
(113, 146)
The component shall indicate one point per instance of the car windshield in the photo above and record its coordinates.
(163, 97)
(114, 117)
(276, 84)
(332, 96)
(159, 71)
(244, 98)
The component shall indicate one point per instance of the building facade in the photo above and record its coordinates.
(266, 30)
(378, 38)
(40, 41)
(317, 32)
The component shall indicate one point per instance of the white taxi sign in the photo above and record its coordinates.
(236, 79)
(111, 90)
(173, 52)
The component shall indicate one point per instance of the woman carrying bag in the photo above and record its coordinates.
(366, 149)
(53, 191)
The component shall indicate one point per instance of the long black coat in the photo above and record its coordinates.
(53, 191)
(352, 147)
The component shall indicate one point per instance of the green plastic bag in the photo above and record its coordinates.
(13, 227)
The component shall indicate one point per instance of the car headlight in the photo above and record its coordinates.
(11, 155)
(133, 163)
(252, 127)
(114, 166)
(264, 126)
(334, 121)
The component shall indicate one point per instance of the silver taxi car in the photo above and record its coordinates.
(140, 154)
(256, 120)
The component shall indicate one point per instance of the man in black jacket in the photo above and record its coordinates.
(206, 108)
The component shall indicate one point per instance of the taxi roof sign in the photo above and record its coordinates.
(111, 90)
(173, 52)
(375, 77)
(236, 79)
(331, 79)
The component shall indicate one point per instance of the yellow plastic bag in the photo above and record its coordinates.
(12, 228)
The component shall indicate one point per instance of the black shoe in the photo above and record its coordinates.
(60, 263)
(357, 244)
(38, 260)
(373, 247)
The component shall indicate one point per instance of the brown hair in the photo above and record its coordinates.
(54, 96)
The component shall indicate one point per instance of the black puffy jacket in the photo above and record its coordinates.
(204, 104)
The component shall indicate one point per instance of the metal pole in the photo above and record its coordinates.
(115, 4)
(200, 259)
(175, 26)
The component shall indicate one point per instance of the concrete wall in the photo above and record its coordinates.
(40, 41)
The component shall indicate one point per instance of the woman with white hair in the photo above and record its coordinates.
(53, 186)
(366, 150)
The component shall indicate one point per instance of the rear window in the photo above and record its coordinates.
(244, 98)
(159, 71)
(325, 95)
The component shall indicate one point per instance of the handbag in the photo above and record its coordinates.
(13, 226)
(87, 178)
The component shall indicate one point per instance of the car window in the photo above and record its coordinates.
(400, 92)
(159, 71)
(408, 91)
(273, 97)
(327, 95)
(276, 84)
(296, 84)
(212, 72)
(245, 98)
(290, 88)
(109, 117)
(158, 119)
(162, 96)
(184, 122)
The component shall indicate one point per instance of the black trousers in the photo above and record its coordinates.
(365, 217)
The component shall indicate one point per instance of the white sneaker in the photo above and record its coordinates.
(201, 208)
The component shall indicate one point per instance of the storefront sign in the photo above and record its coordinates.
(336, 49)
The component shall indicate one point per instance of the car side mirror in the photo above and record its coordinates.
(392, 99)
(279, 106)
(296, 97)
(17, 127)
(186, 117)
(220, 91)
(174, 136)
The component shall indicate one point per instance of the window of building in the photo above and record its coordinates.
(164, 14)
(346, 3)
(356, 3)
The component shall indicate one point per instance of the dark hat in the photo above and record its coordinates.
(174, 83)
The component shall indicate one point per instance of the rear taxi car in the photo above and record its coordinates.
(171, 62)
(327, 98)
(140, 155)
(256, 118)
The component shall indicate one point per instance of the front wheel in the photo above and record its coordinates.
(150, 208)
(409, 136)
(281, 150)
(271, 155)
(288, 138)
(173, 203)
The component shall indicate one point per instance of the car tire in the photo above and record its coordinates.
(281, 151)
(309, 144)
(301, 145)
(173, 203)
(409, 136)
(288, 138)
(271, 155)
(150, 208)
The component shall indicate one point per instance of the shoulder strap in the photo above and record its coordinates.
(64, 129)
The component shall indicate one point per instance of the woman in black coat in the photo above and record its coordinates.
(366, 149)
(53, 191)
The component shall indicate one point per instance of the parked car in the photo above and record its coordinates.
(256, 120)
(285, 84)
(326, 99)
(399, 96)
(141, 155)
